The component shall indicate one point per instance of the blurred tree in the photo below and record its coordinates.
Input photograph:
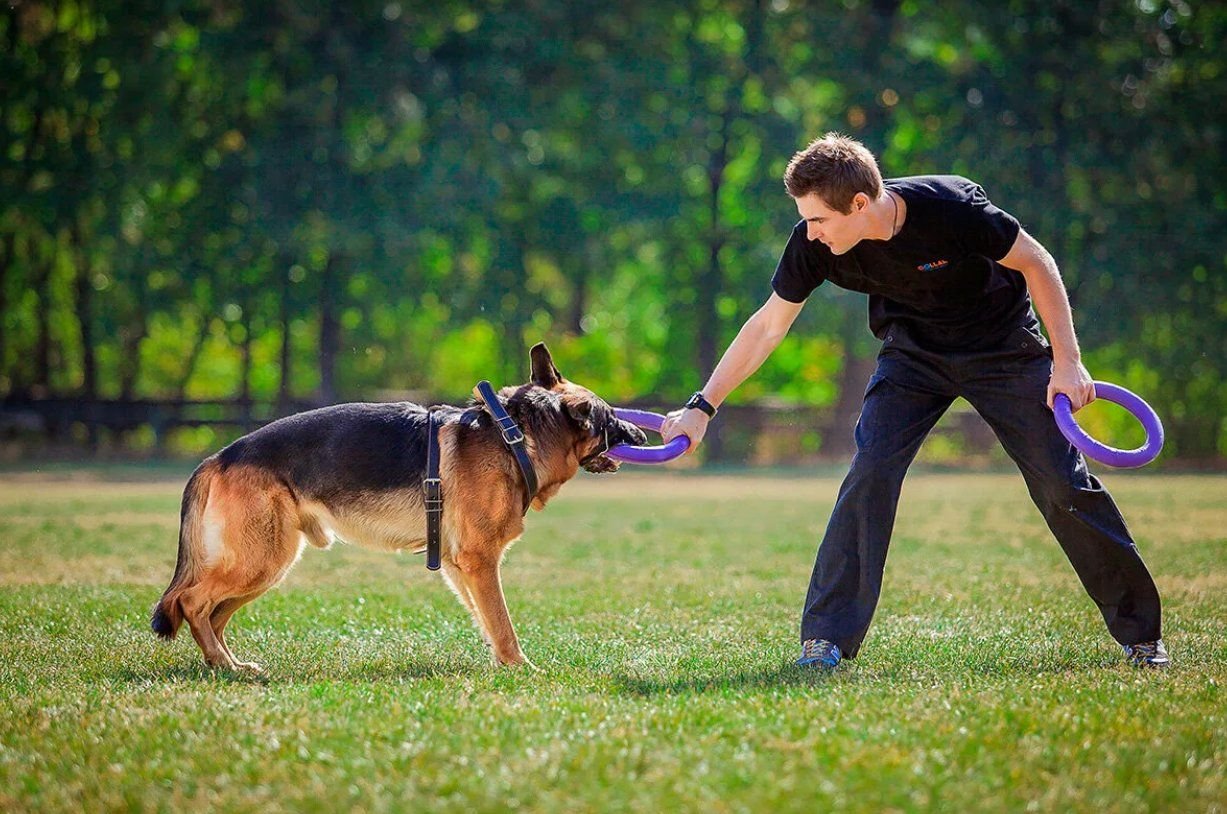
(332, 200)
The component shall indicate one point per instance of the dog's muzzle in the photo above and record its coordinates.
(616, 432)
(597, 461)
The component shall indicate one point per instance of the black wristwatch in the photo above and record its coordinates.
(697, 402)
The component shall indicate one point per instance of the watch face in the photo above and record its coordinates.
(697, 402)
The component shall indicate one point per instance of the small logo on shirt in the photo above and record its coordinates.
(933, 266)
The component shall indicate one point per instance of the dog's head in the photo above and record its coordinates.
(596, 427)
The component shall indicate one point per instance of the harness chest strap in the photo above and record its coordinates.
(432, 486)
(432, 492)
(512, 437)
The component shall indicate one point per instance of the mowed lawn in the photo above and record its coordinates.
(661, 610)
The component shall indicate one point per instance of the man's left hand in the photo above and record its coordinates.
(1072, 379)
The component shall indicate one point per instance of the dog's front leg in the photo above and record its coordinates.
(482, 579)
(455, 580)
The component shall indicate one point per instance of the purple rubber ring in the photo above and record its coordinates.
(631, 454)
(1125, 458)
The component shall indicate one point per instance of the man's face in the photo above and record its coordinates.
(838, 231)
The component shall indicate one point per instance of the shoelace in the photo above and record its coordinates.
(1147, 654)
(812, 648)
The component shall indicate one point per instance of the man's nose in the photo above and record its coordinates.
(811, 232)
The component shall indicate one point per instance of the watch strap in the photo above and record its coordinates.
(698, 402)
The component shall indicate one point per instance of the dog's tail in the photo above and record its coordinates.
(167, 613)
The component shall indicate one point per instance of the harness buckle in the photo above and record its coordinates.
(511, 434)
(433, 488)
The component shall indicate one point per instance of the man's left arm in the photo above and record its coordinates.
(1047, 290)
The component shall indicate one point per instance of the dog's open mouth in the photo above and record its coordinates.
(616, 432)
(600, 464)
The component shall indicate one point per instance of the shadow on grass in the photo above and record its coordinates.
(899, 669)
(787, 674)
(190, 673)
(286, 675)
(784, 674)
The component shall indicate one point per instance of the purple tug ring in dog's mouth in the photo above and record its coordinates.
(631, 454)
(1103, 453)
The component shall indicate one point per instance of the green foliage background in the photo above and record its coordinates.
(341, 200)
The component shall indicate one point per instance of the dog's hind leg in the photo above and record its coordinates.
(252, 538)
(197, 606)
(218, 620)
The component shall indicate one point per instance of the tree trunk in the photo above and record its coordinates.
(283, 386)
(6, 264)
(711, 282)
(19, 370)
(193, 356)
(245, 366)
(130, 367)
(85, 315)
(42, 347)
(131, 337)
(245, 352)
(838, 438)
(579, 294)
(514, 354)
(85, 327)
(330, 328)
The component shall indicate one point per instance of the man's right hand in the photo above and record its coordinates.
(690, 423)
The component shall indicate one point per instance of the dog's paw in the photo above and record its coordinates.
(521, 663)
(249, 667)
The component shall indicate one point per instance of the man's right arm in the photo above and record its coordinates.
(759, 336)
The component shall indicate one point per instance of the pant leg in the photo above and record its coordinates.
(902, 403)
(1076, 506)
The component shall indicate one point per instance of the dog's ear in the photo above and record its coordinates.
(544, 373)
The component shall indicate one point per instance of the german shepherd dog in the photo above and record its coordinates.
(354, 472)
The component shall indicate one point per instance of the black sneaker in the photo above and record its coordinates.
(820, 654)
(1147, 654)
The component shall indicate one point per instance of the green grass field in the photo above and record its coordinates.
(661, 610)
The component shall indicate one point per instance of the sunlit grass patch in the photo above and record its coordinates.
(662, 613)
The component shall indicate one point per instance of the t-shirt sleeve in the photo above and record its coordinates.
(985, 229)
(799, 271)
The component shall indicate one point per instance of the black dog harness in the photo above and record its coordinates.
(432, 492)
(432, 486)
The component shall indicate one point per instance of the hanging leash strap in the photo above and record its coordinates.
(432, 490)
(512, 437)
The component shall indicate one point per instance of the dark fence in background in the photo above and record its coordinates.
(760, 434)
(64, 420)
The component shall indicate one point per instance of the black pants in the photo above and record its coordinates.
(1007, 385)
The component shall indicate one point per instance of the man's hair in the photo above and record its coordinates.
(836, 167)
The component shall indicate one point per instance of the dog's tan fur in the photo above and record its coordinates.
(244, 526)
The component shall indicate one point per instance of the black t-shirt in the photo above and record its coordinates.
(939, 274)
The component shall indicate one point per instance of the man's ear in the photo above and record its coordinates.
(544, 374)
(859, 201)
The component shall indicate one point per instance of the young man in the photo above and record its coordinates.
(950, 279)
